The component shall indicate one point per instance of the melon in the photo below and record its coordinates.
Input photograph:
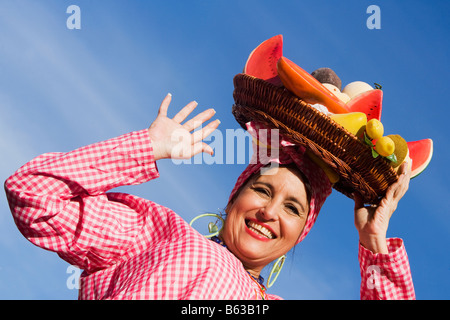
(369, 102)
(262, 61)
(355, 88)
(420, 153)
(335, 90)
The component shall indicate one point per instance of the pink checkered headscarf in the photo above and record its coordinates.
(285, 153)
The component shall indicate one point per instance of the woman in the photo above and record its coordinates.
(131, 248)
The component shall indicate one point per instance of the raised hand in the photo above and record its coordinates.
(174, 140)
(372, 221)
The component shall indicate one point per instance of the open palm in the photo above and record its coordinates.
(172, 139)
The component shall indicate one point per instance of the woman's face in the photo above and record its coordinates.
(267, 217)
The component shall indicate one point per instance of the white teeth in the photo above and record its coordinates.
(264, 231)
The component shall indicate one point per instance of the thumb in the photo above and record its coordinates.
(359, 202)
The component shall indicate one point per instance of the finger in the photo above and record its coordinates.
(401, 186)
(394, 193)
(405, 175)
(199, 119)
(201, 147)
(389, 196)
(185, 112)
(200, 135)
(404, 168)
(359, 203)
(165, 105)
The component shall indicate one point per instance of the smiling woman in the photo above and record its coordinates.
(132, 248)
(266, 217)
(273, 205)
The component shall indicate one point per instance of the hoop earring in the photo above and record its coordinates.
(276, 269)
(212, 227)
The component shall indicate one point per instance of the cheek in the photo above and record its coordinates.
(246, 202)
(237, 211)
(292, 228)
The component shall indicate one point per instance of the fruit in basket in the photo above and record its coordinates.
(330, 80)
(374, 129)
(385, 146)
(369, 102)
(335, 90)
(420, 153)
(262, 61)
(354, 122)
(267, 62)
(327, 75)
(355, 88)
(401, 150)
(306, 87)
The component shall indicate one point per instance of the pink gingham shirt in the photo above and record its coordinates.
(132, 248)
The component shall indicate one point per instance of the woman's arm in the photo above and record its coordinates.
(59, 200)
(385, 271)
(386, 276)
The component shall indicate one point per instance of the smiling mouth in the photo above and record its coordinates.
(259, 229)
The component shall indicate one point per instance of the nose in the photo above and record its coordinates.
(269, 211)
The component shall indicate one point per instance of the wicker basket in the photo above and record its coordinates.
(276, 107)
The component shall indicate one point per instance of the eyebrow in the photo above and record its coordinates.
(294, 199)
(291, 198)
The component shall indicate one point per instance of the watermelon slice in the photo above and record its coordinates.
(262, 61)
(369, 102)
(420, 153)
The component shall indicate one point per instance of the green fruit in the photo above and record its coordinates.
(401, 150)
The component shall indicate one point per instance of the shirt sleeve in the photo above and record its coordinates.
(386, 276)
(59, 201)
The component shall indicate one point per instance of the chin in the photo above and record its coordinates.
(251, 251)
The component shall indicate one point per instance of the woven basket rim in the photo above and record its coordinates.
(276, 107)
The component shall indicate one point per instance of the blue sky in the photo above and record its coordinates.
(61, 89)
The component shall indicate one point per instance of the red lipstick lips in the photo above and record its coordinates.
(259, 230)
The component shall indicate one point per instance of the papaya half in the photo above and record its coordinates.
(306, 87)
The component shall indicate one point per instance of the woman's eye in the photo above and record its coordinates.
(262, 191)
(293, 209)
